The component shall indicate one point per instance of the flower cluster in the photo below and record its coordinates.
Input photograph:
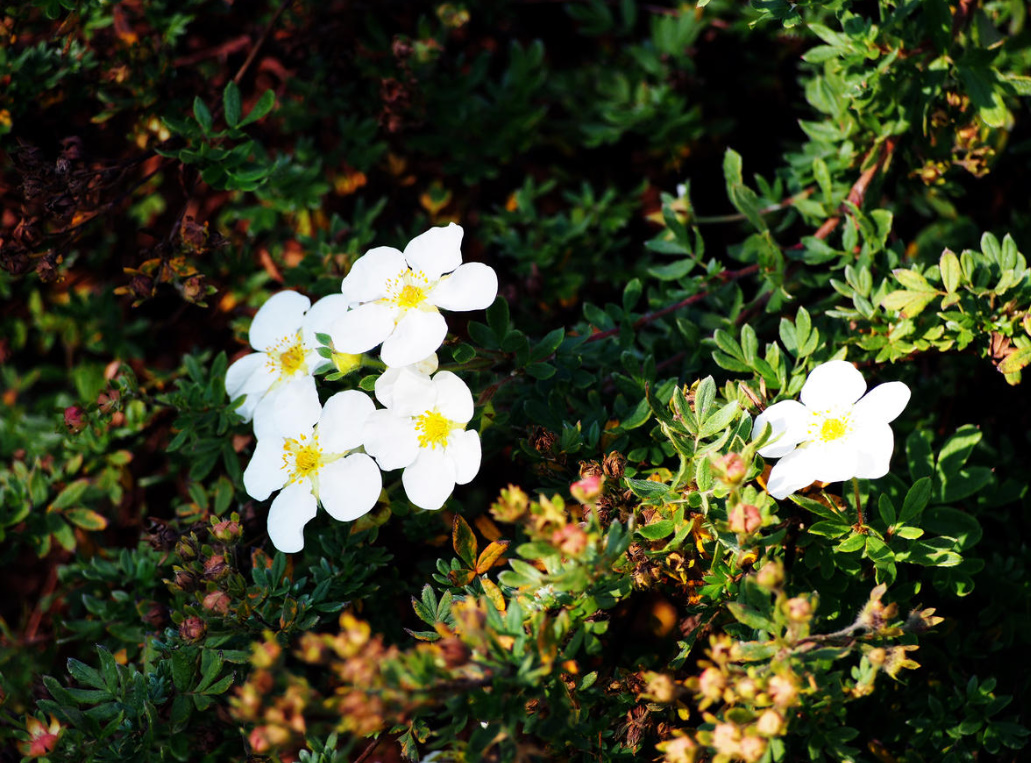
(332, 454)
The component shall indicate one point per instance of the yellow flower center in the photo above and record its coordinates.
(410, 296)
(302, 457)
(433, 429)
(832, 429)
(288, 356)
(408, 290)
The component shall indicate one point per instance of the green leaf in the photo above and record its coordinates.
(631, 294)
(87, 519)
(647, 488)
(886, 509)
(261, 108)
(980, 83)
(231, 102)
(953, 523)
(720, 420)
(673, 271)
(830, 528)
(202, 114)
(919, 456)
(908, 303)
(547, 346)
(750, 617)
(817, 508)
(498, 318)
(852, 543)
(916, 500)
(71, 494)
(464, 541)
(657, 530)
(84, 674)
(948, 264)
(1015, 361)
(957, 449)
(704, 397)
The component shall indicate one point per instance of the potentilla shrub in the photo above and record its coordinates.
(506, 418)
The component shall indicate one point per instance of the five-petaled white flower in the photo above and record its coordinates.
(397, 296)
(832, 435)
(315, 463)
(278, 379)
(422, 430)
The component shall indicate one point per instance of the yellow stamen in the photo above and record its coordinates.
(410, 296)
(434, 428)
(832, 429)
(408, 290)
(302, 457)
(288, 356)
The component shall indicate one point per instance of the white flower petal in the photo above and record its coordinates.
(437, 251)
(473, 286)
(391, 440)
(281, 316)
(405, 391)
(367, 279)
(463, 449)
(238, 374)
(288, 409)
(835, 461)
(342, 423)
(454, 400)
(430, 479)
(883, 403)
(793, 472)
(789, 420)
(834, 384)
(266, 471)
(350, 487)
(289, 513)
(322, 315)
(418, 333)
(361, 329)
(874, 442)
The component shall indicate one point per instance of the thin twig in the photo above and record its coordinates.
(261, 41)
(726, 275)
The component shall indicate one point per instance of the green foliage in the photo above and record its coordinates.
(689, 209)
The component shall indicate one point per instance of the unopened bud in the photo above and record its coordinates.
(228, 530)
(730, 468)
(217, 601)
(192, 629)
(345, 362)
(799, 610)
(771, 575)
(74, 419)
(745, 519)
(587, 489)
(215, 567)
(770, 723)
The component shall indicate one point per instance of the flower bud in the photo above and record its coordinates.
(192, 629)
(345, 362)
(217, 601)
(587, 489)
(771, 575)
(711, 683)
(215, 567)
(730, 468)
(752, 748)
(745, 519)
(228, 530)
(799, 610)
(74, 419)
(770, 723)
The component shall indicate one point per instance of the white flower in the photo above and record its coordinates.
(315, 463)
(278, 379)
(397, 296)
(832, 435)
(422, 431)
